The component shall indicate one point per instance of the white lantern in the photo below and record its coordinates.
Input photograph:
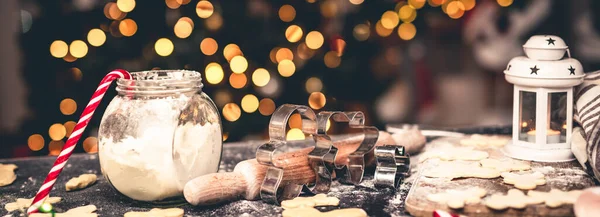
(543, 100)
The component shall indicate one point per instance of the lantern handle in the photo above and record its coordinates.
(568, 53)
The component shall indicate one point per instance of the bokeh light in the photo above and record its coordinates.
(313, 84)
(469, 4)
(231, 112)
(238, 64)
(209, 46)
(407, 31)
(36, 142)
(68, 106)
(173, 4)
(55, 147)
(293, 33)
(164, 47)
(317, 100)
(184, 27)
(382, 31)
(284, 54)
(69, 126)
(261, 77)
(266, 106)
(96, 37)
(214, 22)
(69, 58)
(273, 54)
(455, 9)
(405, 12)
(57, 132)
(249, 103)
(287, 13)
(329, 8)
(361, 32)
(126, 5)
(436, 3)
(295, 134)
(237, 81)
(112, 11)
(128, 27)
(222, 97)
(304, 52)
(231, 50)
(78, 48)
(214, 73)
(332, 59)
(357, 2)
(295, 121)
(417, 4)
(90, 145)
(314, 40)
(505, 3)
(389, 19)
(286, 68)
(59, 49)
(204, 9)
(77, 74)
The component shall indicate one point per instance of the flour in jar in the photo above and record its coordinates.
(156, 163)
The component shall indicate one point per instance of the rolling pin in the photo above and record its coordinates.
(247, 176)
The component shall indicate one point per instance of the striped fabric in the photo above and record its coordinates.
(587, 115)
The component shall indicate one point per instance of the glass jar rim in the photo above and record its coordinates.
(160, 82)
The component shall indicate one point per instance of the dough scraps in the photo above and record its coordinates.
(460, 169)
(23, 203)
(515, 198)
(485, 141)
(555, 197)
(7, 174)
(505, 165)
(312, 212)
(525, 181)
(81, 182)
(317, 200)
(82, 211)
(454, 153)
(457, 199)
(156, 212)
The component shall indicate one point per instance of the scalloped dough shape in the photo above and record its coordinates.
(460, 169)
(515, 198)
(24, 203)
(312, 212)
(525, 181)
(454, 153)
(7, 174)
(82, 211)
(81, 182)
(317, 200)
(505, 165)
(485, 141)
(555, 197)
(156, 212)
(457, 199)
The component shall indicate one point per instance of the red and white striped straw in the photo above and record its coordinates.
(69, 146)
(442, 213)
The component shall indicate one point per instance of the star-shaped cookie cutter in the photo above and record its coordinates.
(393, 165)
(270, 190)
(353, 171)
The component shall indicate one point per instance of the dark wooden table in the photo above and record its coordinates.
(32, 171)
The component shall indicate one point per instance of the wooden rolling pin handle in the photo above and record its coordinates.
(215, 188)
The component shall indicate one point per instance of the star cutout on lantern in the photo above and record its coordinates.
(572, 70)
(508, 67)
(534, 70)
(550, 41)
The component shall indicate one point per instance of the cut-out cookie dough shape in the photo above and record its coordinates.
(317, 200)
(81, 182)
(156, 212)
(457, 199)
(82, 211)
(312, 212)
(505, 165)
(484, 141)
(555, 197)
(23, 203)
(460, 169)
(7, 174)
(513, 199)
(454, 153)
(526, 181)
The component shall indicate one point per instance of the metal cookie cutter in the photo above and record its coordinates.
(270, 190)
(353, 171)
(393, 165)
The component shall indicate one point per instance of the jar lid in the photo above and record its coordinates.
(545, 42)
(567, 72)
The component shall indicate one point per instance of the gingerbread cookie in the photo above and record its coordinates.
(454, 153)
(484, 141)
(7, 174)
(80, 182)
(23, 203)
(457, 199)
(555, 197)
(156, 212)
(317, 200)
(312, 212)
(513, 199)
(506, 165)
(525, 181)
(460, 169)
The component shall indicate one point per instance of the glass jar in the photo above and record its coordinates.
(158, 133)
